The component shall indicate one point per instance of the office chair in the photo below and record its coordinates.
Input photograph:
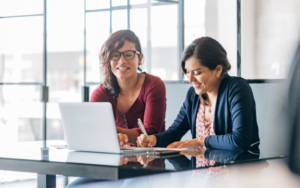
(294, 113)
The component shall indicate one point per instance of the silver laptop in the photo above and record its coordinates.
(91, 127)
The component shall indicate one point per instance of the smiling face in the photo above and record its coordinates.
(203, 79)
(123, 68)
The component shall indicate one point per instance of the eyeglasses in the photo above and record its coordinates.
(128, 55)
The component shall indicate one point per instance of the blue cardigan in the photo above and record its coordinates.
(235, 122)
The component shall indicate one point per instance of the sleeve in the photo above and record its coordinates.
(157, 163)
(155, 108)
(99, 95)
(178, 129)
(242, 109)
(180, 162)
(225, 156)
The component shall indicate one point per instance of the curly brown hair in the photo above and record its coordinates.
(106, 54)
(210, 53)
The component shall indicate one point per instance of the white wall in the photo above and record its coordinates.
(270, 100)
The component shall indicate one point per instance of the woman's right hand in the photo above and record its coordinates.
(123, 140)
(142, 141)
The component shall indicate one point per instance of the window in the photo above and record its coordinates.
(97, 31)
(21, 48)
(20, 7)
(158, 35)
(270, 35)
(216, 19)
(64, 59)
(21, 75)
(21, 63)
(21, 115)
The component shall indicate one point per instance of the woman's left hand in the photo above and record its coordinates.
(194, 143)
(123, 140)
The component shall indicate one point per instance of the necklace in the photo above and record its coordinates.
(209, 107)
(209, 110)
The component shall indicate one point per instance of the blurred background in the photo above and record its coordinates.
(76, 29)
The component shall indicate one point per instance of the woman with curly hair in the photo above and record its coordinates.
(132, 93)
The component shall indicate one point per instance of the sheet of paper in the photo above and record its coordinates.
(168, 149)
(154, 148)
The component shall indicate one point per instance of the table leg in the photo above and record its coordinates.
(46, 181)
(66, 180)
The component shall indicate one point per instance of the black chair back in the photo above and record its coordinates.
(294, 113)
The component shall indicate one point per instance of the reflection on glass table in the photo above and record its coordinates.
(269, 173)
(132, 160)
(183, 161)
(211, 164)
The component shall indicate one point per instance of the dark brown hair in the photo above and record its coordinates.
(107, 51)
(210, 53)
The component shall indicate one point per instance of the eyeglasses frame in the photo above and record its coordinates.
(122, 53)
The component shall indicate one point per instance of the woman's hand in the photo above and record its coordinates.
(123, 140)
(143, 159)
(142, 141)
(125, 159)
(194, 143)
(131, 134)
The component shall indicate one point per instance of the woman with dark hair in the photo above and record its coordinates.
(219, 109)
(133, 94)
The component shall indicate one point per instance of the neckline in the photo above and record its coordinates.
(204, 120)
(146, 76)
(221, 84)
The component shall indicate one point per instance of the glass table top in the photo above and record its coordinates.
(262, 174)
(176, 162)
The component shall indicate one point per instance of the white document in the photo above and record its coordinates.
(168, 149)
(154, 148)
(132, 148)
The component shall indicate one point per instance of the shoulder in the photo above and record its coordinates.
(191, 97)
(153, 88)
(153, 82)
(236, 88)
(99, 94)
(191, 92)
(233, 83)
(151, 79)
(100, 89)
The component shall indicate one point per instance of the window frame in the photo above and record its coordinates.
(147, 5)
(43, 85)
(180, 38)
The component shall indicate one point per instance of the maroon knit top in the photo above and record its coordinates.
(150, 106)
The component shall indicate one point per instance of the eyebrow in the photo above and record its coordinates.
(125, 50)
(196, 69)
